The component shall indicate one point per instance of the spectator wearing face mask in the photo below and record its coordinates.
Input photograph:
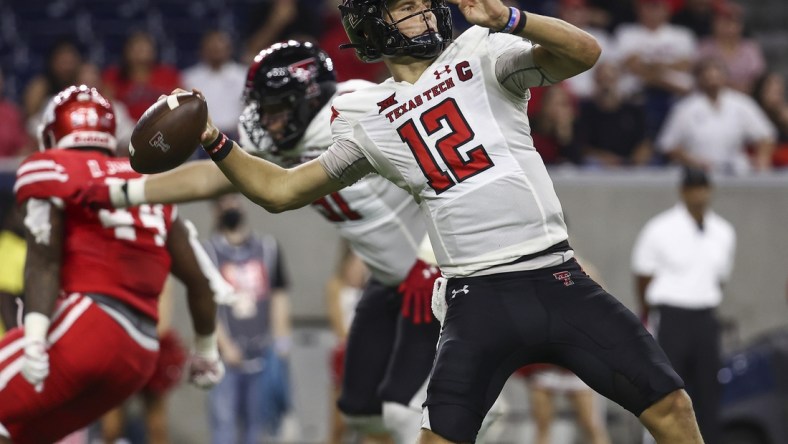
(253, 332)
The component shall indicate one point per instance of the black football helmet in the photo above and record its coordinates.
(373, 38)
(290, 81)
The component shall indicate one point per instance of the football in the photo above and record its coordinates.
(167, 133)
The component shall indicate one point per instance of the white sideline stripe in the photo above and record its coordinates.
(64, 305)
(4, 431)
(172, 101)
(39, 177)
(10, 371)
(144, 341)
(69, 320)
(11, 348)
(19, 344)
(39, 165)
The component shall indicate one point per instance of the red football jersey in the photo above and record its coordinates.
(120, 253)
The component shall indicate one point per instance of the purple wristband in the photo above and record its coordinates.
(516, 21)
(514, 15)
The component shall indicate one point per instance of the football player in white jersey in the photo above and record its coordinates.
(392, 340)
(450, 128)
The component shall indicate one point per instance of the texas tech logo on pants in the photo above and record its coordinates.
(564, 276)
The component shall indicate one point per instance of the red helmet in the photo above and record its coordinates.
(78, 117)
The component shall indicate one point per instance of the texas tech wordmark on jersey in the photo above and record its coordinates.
(458, 140)
(377, 218)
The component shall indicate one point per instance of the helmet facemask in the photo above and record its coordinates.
(290, 113)
(373, 37)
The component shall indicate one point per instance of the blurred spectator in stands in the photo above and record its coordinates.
(140, 79)
(658, 56)
(248, 405)
(13, 250)
(90, 75)
(578, 13)
(697, 16)
(611, 130)
(769, 92)
(712, 128)
(220, 78)
(13, 136)
(553, 127)
(742, 57)
(609, 14)
(346, 65)
(268, 22)
(62, 64)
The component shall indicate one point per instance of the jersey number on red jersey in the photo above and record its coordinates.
(433, 120)
(150, 217)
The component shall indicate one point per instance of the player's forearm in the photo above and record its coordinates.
(202, 309)
(193, 181)
(575, 50)
(44, 256)
(186, 267)
(259, 180)
(8, 310)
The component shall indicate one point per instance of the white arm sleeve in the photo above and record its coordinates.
(514, 63)
(516, 70)
(344, 161)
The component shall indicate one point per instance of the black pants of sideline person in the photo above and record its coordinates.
(691, 340)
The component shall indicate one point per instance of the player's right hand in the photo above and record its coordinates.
(35, 362)
(98, 195)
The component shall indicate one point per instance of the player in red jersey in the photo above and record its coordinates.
(91, 282)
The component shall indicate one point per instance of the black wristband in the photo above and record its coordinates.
(518, 28)
(219, 148)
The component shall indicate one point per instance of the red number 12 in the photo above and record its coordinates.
(433, 120)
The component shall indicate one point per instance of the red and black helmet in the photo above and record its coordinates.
(78, 117)
(298, 79)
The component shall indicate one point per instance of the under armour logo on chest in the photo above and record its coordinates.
(564, 276)
(446, 70)
(464, 289)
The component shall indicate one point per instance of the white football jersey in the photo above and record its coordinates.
(381, 222)
(459, 141)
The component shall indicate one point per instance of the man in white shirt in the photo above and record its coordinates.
(220, 78)
(450, 128)
(681, 260)
(712, 128)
